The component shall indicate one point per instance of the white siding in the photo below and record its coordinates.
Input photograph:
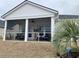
(28, 11)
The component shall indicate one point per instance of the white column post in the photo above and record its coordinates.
(52, 28)
(26, 30)
(5, 28)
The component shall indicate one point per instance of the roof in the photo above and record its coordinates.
(32, 3)
(68, 16)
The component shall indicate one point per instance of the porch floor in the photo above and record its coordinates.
(27, 49)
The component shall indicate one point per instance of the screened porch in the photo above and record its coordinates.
(39, 29)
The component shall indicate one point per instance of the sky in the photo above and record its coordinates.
(67, 7)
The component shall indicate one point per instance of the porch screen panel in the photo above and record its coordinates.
(15, 29)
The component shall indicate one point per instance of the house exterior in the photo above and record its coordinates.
(29, 22)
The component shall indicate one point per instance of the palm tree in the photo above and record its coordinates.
(67, 30)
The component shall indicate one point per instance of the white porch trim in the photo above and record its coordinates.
(26, 30)
(52, 28)
(5, 28)
(29, 17)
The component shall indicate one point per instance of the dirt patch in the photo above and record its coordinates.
(26, 49)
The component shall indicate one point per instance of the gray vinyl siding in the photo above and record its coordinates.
(2, 23)
(69, 17)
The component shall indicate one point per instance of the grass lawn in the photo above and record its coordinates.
(27, 49)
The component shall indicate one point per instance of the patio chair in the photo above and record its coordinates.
(20, 36)
(43, 37)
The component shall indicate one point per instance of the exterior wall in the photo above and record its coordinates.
(28, 11)
(1, 33)
(68, 17)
